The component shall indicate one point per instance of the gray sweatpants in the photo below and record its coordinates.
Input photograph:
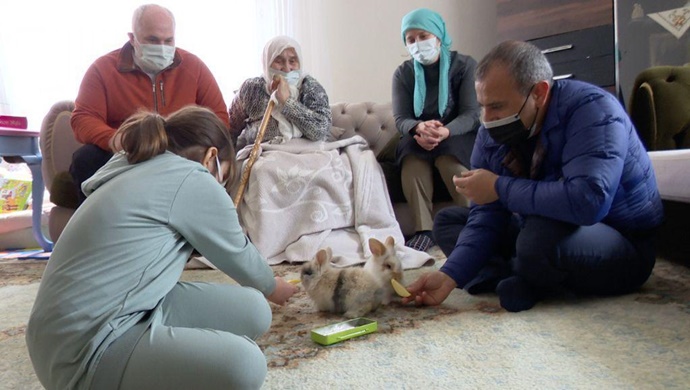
(205, 341)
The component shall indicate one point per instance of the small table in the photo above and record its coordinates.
(17, 146)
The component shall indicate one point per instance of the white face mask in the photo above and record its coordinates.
(291, 77)
(426, 52)
(154, 58)
(219, 175)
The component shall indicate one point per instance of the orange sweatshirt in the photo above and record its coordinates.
(113, 89)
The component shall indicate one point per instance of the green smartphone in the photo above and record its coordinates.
(341, 331)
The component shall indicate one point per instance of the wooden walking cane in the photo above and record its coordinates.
(253, 154)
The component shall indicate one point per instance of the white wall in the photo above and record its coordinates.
(351, 46)
(362, 43)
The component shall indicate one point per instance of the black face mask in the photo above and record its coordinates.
(511, 130)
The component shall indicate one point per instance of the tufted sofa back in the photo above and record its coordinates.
(373, 121)
(660, 107)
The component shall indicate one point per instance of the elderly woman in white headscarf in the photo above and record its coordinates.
(302, 108)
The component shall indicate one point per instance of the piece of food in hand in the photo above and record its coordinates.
(400, 289)
(293, 281)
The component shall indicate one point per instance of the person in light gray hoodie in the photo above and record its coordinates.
(111, 311)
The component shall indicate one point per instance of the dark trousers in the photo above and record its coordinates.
(556, 255)
(85, 162)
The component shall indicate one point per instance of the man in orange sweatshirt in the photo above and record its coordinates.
(149, 73)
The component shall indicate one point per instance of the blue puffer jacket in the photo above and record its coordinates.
(595, 170)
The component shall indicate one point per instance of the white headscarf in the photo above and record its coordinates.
(273, 49)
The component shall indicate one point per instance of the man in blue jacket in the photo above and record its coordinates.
(564, 196)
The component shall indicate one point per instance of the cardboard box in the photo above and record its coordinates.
(14, 194)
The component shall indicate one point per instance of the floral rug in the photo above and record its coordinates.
(636, 341)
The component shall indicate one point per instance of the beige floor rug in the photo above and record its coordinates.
(636, 341)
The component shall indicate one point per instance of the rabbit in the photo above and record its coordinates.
(352, 292)
(385, 265)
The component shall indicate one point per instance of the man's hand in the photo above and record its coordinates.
(430, 289)
(282, 87)
(282, 292)
(477, 185)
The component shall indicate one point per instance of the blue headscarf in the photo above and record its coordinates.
(428, 20)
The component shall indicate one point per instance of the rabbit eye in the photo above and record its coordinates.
(307, 272)
(388, 266)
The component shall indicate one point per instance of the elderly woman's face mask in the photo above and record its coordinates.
(291, 77)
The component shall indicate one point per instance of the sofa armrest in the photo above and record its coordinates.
(57, 141)
(660, 107)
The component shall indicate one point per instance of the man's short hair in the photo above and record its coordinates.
(141, 10)
(524, 61)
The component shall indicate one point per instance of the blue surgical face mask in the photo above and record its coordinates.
(425, 52)
(291, 77)
(510, 130)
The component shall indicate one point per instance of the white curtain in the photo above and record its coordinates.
(46, 46)
(4, 102)
(304, 21)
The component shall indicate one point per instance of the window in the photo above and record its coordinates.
(47, 46)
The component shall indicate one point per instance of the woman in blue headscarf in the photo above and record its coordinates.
(437, 114)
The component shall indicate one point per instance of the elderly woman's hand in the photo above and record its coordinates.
(282, 88)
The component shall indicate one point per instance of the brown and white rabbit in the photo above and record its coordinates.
(352, 291)
(384, 265)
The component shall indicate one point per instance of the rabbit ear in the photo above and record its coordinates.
(377, 248)
(390, 241)
(323, 256)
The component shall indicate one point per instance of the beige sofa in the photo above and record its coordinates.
(373, 121)
(57, 145)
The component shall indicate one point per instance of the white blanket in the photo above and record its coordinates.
(305, 195)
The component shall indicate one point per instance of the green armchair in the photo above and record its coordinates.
(660, 107)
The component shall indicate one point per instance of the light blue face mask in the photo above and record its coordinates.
(291, 77)
(155, 58)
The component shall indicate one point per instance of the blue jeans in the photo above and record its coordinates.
(554, 255)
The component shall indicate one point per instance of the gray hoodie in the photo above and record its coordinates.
(123, 251)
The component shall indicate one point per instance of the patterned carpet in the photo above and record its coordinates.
(637, 341)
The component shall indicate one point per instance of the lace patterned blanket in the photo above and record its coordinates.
(304, 195)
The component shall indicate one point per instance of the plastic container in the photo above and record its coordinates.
(341, 331)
